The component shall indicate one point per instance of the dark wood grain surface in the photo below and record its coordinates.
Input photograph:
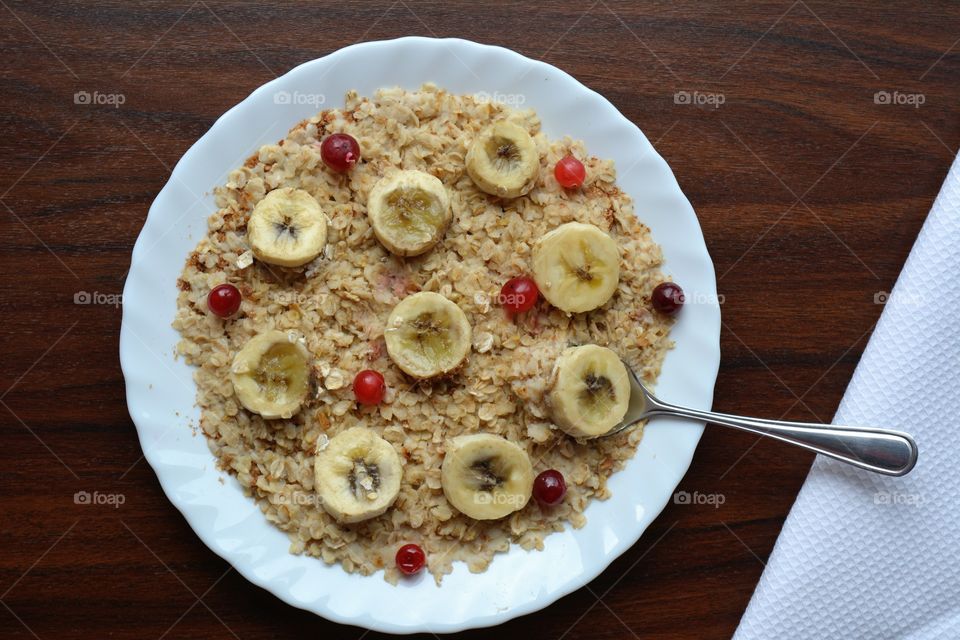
(810, 191)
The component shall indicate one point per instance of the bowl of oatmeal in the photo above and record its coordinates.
(392, 240)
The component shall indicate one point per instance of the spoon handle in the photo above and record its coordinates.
(892, 453)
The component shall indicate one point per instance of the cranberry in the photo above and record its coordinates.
(667, 298)
(410, 559)
(549, 487)
(369, 387)
(340, 152)
(569, 172)
(519, 294)
(224, 300)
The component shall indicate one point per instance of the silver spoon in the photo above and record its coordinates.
(893, 453)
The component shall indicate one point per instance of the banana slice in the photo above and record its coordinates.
(409, 211)
(590, 391)
(486, 476)
(287, 228)
(357, 475)
(576, 267)
(271, 374)
(503, 160)
(427, 335)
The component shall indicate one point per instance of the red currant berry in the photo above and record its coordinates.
(410, 559)
(340, 152)
(549, 487)
(519, 294)
(224, 300)
(667, 298)
(369, 387)
(569, 172)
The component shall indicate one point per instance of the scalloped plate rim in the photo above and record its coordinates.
(710, 360)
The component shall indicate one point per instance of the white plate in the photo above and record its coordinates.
(160, 390)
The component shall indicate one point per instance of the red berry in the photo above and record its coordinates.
(519, 294)
(667, 298)
(569, 172)
(410, 559)
(369, 387)
(224, 300)
(340, 152)
(549, 487)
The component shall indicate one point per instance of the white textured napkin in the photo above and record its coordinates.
(864, 556)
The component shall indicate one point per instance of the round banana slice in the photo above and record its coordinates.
(590, 391)
(503, 160)
(409, 211)
(486, 476)
(427, 335)
(287, 228)
(357, 475)
(271, 374)
(576, 267)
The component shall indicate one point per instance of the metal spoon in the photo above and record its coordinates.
(892, 453)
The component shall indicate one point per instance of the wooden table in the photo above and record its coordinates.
(811, 139)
